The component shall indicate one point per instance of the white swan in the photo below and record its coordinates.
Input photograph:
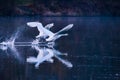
(43, 32)
(46, 33)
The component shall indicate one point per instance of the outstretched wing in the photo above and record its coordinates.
(65, 29)
(48, 26)
(55, 37)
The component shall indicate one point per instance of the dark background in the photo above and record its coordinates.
(93, 44)
(60, 7)
(93, 47)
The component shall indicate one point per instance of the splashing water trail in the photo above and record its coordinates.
(10, 43)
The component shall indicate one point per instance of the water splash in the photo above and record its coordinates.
(10, 44)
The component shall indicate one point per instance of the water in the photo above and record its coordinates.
(93, 47)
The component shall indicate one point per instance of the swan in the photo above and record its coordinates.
(45, 33)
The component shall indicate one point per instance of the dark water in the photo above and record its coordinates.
(93, 47)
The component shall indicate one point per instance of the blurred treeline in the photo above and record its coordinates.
(60, 7)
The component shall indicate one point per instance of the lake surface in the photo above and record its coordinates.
(93, 47)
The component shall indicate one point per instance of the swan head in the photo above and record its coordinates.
(34, 24)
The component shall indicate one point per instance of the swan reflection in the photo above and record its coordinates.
(46, 54)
